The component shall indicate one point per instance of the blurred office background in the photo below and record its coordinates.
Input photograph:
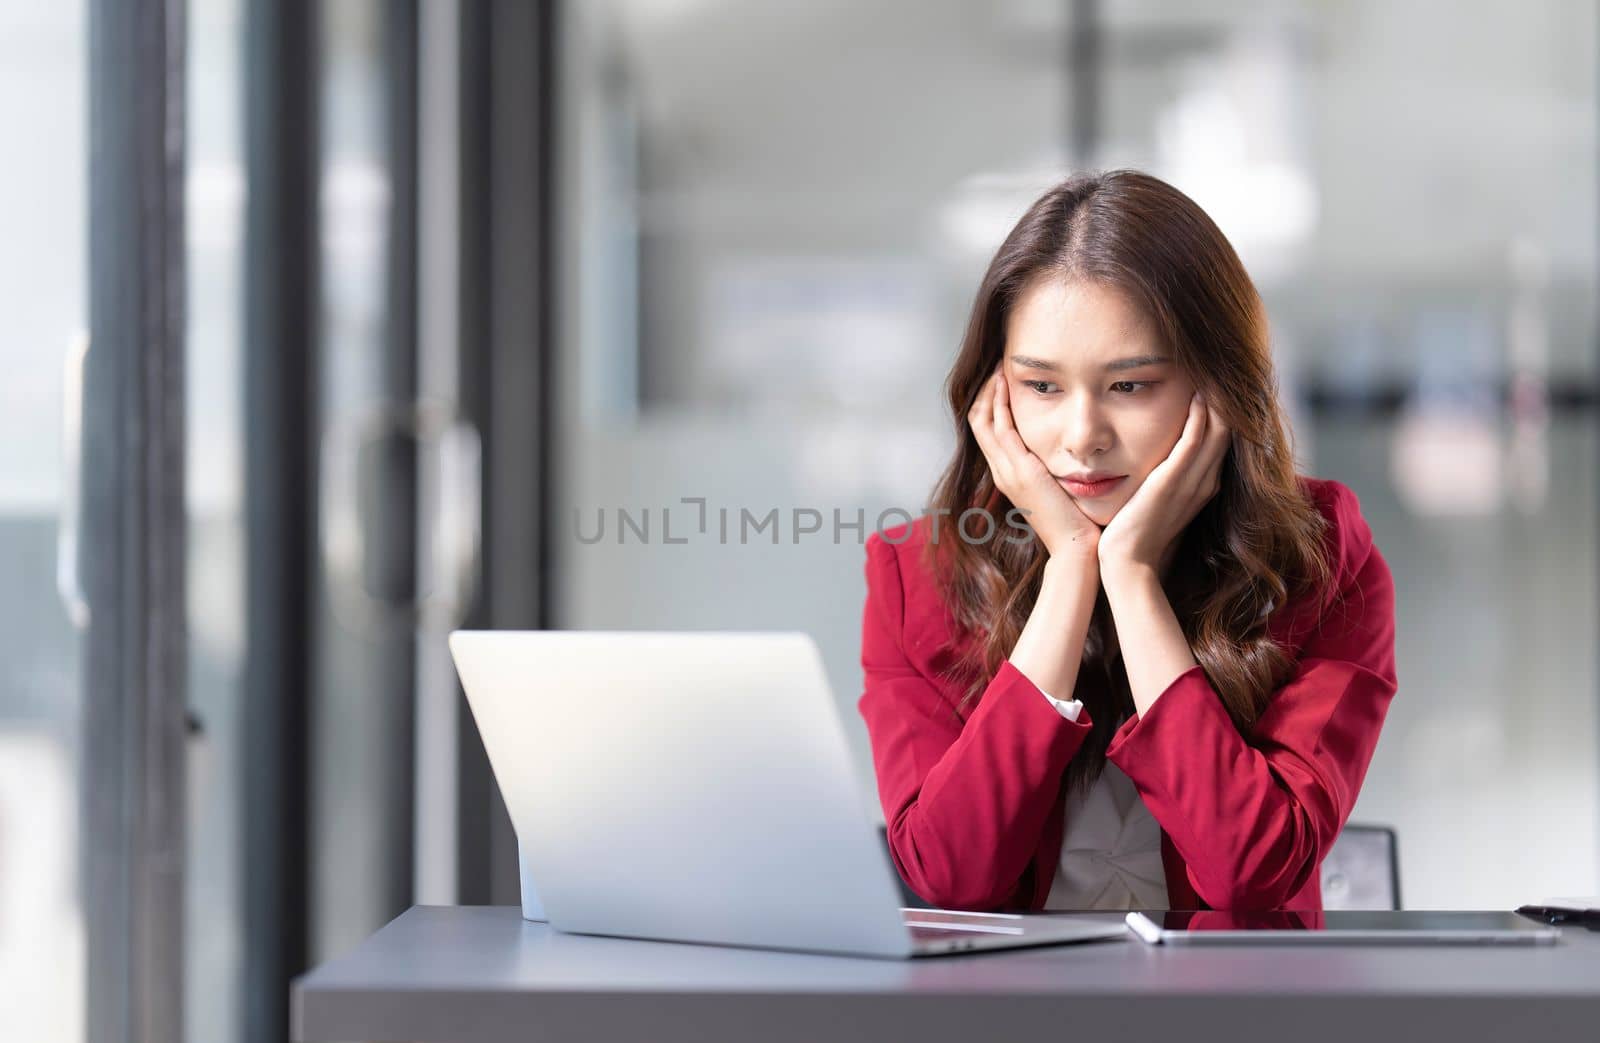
(344, 311)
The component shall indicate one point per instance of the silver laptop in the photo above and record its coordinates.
(698, 787)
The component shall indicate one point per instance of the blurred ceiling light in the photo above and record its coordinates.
(1234, 140)
(984, 207)
(1265, 209)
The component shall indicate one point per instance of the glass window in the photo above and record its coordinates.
(43, 207)
(774, 224)
(1413, 190)
(215, 226)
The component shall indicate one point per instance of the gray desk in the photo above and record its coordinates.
(482, 973)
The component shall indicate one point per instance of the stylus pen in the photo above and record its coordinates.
(1589, 918)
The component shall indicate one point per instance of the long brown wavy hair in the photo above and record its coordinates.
(1256, 545)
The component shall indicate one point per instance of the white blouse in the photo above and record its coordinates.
(1111, 846)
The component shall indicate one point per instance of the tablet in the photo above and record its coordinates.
(1339, 927)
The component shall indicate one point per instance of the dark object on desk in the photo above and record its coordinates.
(1556, 914)
(1362, 870)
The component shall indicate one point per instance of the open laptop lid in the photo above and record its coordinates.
(683, 786)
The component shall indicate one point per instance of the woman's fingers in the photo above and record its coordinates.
(1194, 446)
(1004, 427)
(981, 419)
(1194, 428)
(1218, 438)
(1012, 465)
(1169, 476)
(981, 416)
(1201, 460)
(978, 414)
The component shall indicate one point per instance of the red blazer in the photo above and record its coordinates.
(974, 799)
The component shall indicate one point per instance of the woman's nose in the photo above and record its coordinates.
(1085, 432)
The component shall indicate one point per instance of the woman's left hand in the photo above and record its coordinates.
(1155, 516)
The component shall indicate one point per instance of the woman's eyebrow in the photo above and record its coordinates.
(1029, 362)
(1136, 362)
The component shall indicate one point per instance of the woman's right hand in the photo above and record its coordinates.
(1024, 479)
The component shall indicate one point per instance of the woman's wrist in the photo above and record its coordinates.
(1073, 564)
(1122, 573)
(1070, 585)
(1050, 646)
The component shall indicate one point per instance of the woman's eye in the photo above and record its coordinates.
(1121, 387)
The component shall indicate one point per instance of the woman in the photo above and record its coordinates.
(1129, 658)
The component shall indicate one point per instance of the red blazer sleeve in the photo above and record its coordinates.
(1254, 816)
(965, 803)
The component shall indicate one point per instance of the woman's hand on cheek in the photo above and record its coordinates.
(1159, 510)
(1023, 478)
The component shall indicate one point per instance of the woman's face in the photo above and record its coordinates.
(1093, 390)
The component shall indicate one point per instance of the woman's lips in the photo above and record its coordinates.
(1090, 490)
